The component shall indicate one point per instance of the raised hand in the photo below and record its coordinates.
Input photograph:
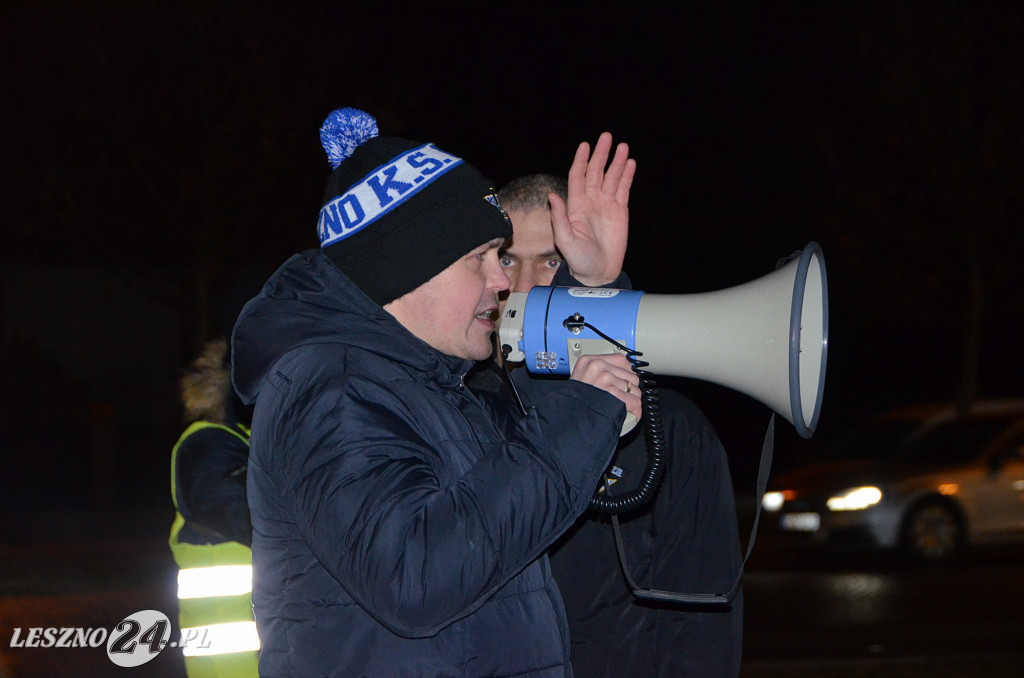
(592, 230)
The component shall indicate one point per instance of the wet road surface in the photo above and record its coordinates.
(807, 614)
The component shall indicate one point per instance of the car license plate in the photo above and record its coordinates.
(801, 522)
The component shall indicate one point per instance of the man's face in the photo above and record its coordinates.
(455, 310)
(530, 257)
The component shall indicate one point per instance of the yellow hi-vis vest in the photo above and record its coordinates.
(218, 633)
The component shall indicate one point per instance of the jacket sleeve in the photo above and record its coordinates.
(564, 279)
(415, 542)
(211, 471)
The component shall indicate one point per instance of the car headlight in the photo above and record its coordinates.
(772, 501)
(854, 499)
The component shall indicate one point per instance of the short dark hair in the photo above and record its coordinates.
(530, 192)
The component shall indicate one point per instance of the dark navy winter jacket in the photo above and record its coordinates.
(398, 529)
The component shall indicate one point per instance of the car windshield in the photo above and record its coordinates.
(909, 440)
(952, 442)
(877, 440)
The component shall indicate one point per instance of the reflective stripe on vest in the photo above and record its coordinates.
(217, 580)
(214, 639)
(218, 635)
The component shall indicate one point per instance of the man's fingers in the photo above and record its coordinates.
(578, 169)
(588, 171)
(611, 369)
(616, 170)
(598, 160)
(560, 221)
(612, 374)
(622, 190)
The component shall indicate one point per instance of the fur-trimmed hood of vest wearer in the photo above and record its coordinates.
(206, 385)
(310, 301)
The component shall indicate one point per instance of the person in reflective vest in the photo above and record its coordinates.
(212, 534)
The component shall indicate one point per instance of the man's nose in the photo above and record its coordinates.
(497, 279)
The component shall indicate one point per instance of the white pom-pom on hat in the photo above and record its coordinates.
(344, 130)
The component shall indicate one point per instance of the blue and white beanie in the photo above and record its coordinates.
(397, 212)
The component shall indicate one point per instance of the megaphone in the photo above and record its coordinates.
(767, 338)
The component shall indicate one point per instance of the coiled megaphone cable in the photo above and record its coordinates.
(654, 436)
(654, 430)
(654, 433)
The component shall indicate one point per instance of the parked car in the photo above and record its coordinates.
(922, 479)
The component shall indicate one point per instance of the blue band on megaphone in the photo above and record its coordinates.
(546, 340)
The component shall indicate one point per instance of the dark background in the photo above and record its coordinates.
(154, 154)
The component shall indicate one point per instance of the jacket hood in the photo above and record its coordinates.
(310, 301)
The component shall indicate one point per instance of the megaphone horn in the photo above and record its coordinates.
(767, 338)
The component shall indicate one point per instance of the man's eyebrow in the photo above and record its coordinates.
(543, 256)
(490, 245)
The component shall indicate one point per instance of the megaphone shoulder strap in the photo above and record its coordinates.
(725, 598)
(655, 472)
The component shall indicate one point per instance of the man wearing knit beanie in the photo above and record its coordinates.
(399, 523)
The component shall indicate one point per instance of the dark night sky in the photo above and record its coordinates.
(139, 104)
(136, 136)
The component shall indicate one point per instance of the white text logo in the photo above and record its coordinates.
(135, 640)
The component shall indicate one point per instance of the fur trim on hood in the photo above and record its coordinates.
(206, 386)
